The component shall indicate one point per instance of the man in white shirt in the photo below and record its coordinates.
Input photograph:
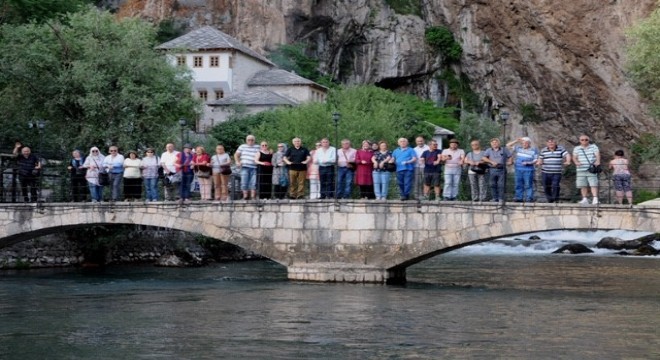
(418, 182)
(167, 162)
(326, 157)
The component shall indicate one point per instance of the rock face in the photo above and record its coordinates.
(564, 58)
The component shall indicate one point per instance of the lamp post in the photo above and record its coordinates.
(40, 125)
(504, 116)
(335, 120)
(182, 124)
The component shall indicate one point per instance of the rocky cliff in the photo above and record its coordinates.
(562, 59)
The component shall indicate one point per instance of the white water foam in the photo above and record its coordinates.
(549, 242)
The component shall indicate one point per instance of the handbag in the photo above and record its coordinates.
(104, 178)
(477, 169)
(593, 168)
(203, 173)
(391, 167)
(225, 169)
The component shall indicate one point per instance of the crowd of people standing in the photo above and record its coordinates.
(424, 171)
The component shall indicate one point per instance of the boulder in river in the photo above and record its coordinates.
(534, 237)
(573, 249)
(170, 261)
(614, 243)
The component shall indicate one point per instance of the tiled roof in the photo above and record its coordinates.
(209, 38)
(278, 77)
(254, 98)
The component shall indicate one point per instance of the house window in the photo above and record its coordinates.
(215, 61)
(203, 94)
(197, 61)
(219, 94)
(231, 62)
(181, 61)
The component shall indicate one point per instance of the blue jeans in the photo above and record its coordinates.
(344, 181)
(381, 183)
(327, 178)
(525, 185)
(151, 188)
(451, 185)
(115, 183)
(404, 179)
(96, 192)
(248, 178)
(497, 183)
(184, 187)
(550, 184)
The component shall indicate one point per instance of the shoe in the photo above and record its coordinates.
(517, 200)
(595, 201)
(584, 201)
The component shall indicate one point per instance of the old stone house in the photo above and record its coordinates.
(229, 77)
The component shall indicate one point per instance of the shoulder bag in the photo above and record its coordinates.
(593, 168)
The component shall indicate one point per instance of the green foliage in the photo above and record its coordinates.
(367, 112)
(529, 114)
(95, 80)
(24, 11)
(292, 57)
(473, 126)
(442, 40)
(641, 196)
(169, 29)
(231, 133)
(646, 148)
(643, 60)
(460, 92)
(406, 7)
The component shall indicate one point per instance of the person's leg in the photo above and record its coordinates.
(385, 184)
(474, 186)
(520, 185)
(409, 177)
(528, 180)
(483, 191)
(456, 182)
(555, 181)
(377, 179)
(401, 182)
(494, 184)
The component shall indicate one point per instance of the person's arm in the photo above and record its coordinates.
(575, 159)
(510, 144)
(568, 158)
(237, 157)
(307, 159)
(597, 162)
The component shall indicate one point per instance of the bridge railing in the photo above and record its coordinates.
(55, 186)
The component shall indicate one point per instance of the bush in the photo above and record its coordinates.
(442, 40)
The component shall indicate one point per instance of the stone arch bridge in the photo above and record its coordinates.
(349, 241)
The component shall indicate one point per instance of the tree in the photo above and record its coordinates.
(475, 127)
(367, 112)
(23, 11)
(644, 60)
(95, 80)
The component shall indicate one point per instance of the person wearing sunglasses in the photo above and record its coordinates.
(585, 155)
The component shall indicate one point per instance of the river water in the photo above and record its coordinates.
(494, 300)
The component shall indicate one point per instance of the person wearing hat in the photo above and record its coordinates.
(150, 166)
(184, 166)
(525, 157)
(453, 158)
(132, 177)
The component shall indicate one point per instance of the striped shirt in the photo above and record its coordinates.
(585, 156)
(553, 160)
(247, 154)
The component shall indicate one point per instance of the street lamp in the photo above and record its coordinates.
(40, 125)
(335, 120)
(504, 116)
(182, 124)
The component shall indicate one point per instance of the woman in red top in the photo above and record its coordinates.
(363, 173)
(201, 164)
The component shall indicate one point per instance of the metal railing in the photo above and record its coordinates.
(54, 185)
